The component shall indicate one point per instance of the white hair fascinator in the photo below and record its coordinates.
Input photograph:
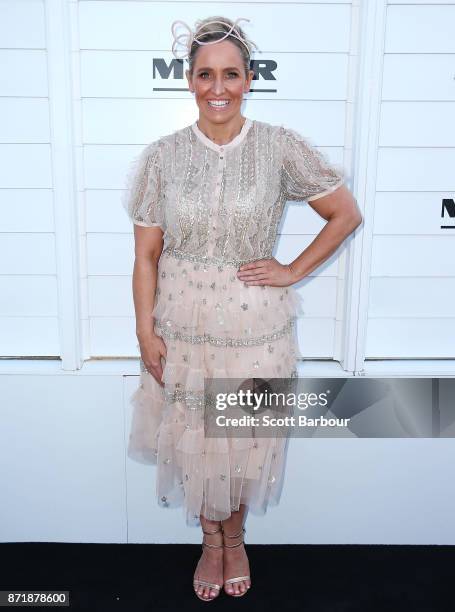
(186, 38)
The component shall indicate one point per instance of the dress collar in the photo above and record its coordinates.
(229, 145)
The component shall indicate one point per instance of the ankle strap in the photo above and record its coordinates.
(211, 532)
(212, 545)
(236, 535)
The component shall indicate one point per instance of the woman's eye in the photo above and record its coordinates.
(231, 74)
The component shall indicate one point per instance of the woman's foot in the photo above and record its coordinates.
(208, 577)
(236, 566)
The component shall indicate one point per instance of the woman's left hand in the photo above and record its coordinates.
(266, 272)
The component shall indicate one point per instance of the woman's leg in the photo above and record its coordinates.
(235, 559)
(210, 566)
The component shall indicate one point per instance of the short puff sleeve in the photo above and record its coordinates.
(142, 198)
(306, 172)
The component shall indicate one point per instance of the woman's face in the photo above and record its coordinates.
(219, 75)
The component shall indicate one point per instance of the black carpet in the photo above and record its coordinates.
(156, 577)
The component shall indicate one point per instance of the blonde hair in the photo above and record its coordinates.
(204, 30)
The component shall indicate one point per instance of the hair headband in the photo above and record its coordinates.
(187, 38)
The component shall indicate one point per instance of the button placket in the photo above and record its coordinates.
(220, 170)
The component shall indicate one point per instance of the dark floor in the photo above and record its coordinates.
(310, 578)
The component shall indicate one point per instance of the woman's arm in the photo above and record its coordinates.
(148, 248)
(148, 245)
(342, 213)
(340, 210)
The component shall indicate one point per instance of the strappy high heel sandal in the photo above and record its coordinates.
(238, 578)
(204, 583)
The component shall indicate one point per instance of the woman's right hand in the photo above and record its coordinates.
(152, 349)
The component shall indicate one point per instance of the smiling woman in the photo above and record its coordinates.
(211, 301)
(219, 84)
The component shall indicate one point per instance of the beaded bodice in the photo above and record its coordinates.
(223, 203)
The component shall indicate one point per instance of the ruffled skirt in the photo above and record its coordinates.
(214, 326)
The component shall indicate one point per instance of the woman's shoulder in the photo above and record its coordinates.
(272, 127)
(269, 132)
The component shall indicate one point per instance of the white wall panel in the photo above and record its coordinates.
(112, 336)
(28, 295)
(420, 29)
(412, 280)
(110, 254)
(300, 218)
(29, 336)
(24, 120)
(27, 253)
(412, 296)
(319, 296)
(25, 165)
(411, 338)
(103, 24)
(28, 302)
(435, 121)
(316, 337)
(27, 210)
(409, 212)
(416, 169)
(22, 24)
(418, 76)
(110, 296)
(23, 73)
(413, 256)
(104, 211)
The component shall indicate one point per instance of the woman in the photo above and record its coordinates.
(211, 301)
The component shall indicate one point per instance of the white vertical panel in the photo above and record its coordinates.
(28, 295)
(60, 70)
(354, 294)
(412, 276)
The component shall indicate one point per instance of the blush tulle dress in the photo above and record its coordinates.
(218, 206)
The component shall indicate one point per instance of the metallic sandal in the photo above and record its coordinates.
(238, 578)
(204, 583)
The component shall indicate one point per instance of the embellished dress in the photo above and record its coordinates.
(219, 206)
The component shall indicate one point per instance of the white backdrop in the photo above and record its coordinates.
(370, 84)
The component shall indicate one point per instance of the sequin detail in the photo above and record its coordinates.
(223, 341)
(225, 212)
(210, 260)
(193, 400)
